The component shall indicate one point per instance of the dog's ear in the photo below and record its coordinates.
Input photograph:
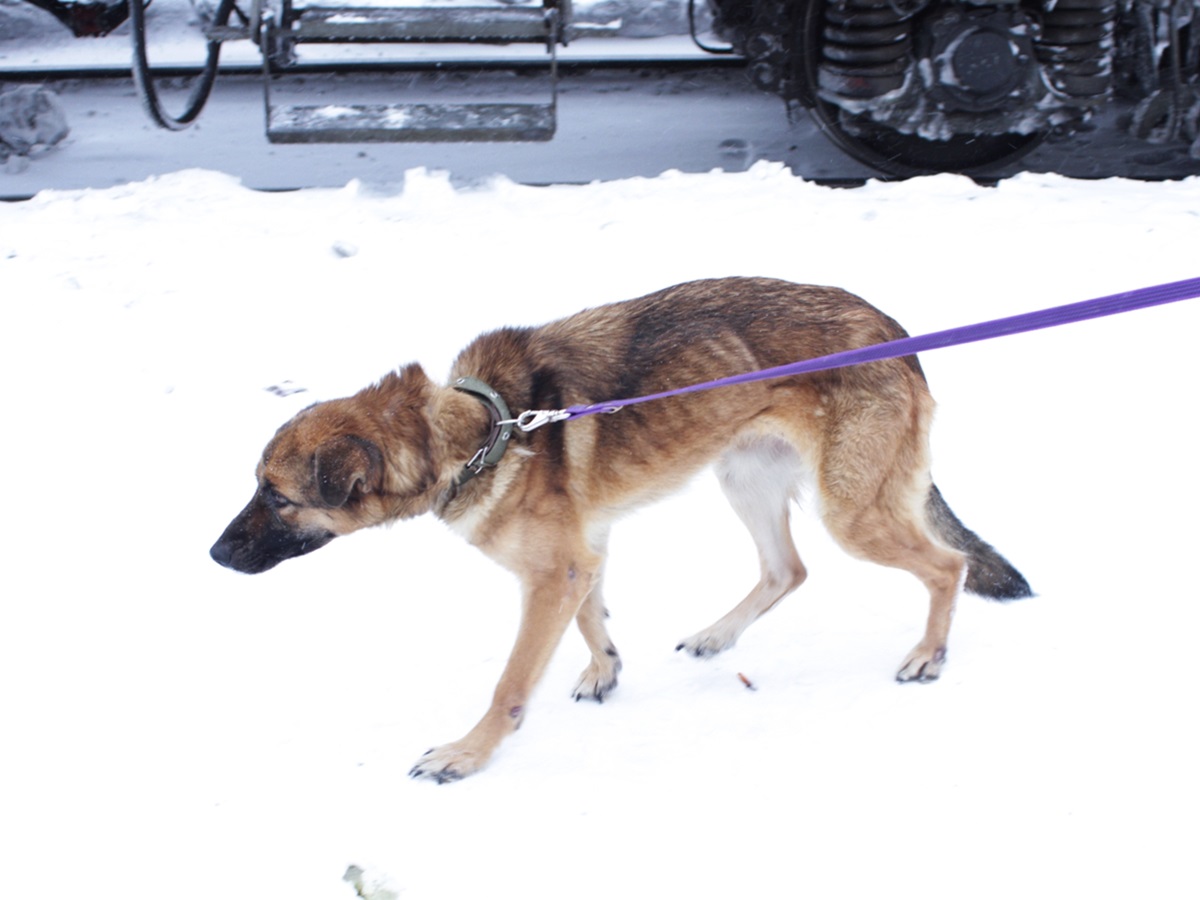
(344, 464)
(408, 387)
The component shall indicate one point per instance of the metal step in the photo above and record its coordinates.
(444, 24)
(417, 122)
(413, 122)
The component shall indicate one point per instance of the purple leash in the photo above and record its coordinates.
(965, 334)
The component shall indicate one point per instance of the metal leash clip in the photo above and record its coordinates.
(536, 418)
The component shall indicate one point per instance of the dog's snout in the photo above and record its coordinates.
(222, 553)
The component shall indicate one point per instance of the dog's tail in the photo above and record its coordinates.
(988, 573)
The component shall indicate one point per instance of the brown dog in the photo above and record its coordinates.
(407, 446)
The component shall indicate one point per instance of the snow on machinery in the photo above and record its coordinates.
(929, 85)
(906, 86)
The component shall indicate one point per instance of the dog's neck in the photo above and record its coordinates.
(428, 458)
(461, 426)
(492, 450)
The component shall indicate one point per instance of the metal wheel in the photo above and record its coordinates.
(884, 148)
(905, 155)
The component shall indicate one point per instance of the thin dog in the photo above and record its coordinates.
(407, 446)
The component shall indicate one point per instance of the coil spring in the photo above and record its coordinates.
(866, 48)
(1075, 46)
(765, 22)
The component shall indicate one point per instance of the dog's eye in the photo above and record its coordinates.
(276, 500)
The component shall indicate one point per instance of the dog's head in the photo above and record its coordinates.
(326, 473)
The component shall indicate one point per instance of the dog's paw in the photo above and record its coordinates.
(450, 762)
(598, 679)
(707, 643)
(922, 665)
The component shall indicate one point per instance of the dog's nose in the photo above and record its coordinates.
(222, 552)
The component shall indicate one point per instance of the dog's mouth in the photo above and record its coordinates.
(265, 552)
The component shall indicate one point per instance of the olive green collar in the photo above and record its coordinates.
(493, 448)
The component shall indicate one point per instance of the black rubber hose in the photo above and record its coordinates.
(144, 80)
(691, 13)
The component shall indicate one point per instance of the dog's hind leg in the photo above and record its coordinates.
(759, 478)
(600, 676)
(885, 522)
(878, 535)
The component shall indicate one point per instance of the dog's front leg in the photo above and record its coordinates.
(551, 600)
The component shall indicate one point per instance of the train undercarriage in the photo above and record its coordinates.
(905, 86)
(931, 85)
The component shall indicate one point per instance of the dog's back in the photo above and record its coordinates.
(683, 335)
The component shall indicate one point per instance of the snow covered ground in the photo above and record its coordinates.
(172, 730)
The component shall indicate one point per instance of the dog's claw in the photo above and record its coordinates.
(449, 763)
(922, 666)
(699, 652)
(921, 677)
(598, 694)
(445, 776)
(709, 642)
(598, 681)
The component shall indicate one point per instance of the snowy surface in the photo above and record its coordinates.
(173, 730)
